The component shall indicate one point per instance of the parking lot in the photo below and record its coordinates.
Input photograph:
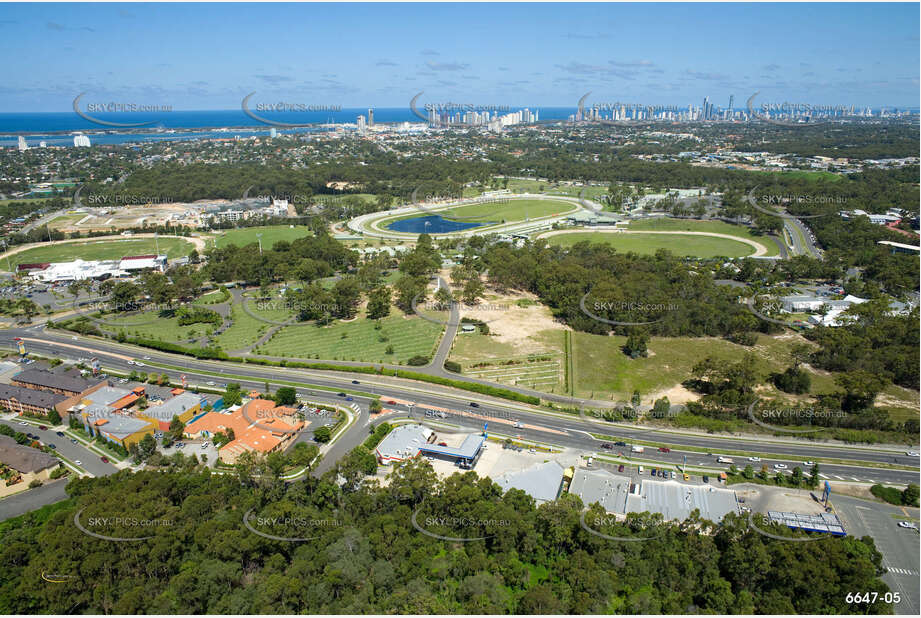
(89, 460)
(193, 447)
(899, 546)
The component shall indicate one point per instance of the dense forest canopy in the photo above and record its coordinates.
(367, 557)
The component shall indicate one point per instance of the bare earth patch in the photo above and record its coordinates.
(676, 394)
(513, 325)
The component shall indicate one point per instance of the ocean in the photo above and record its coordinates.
(56, 128)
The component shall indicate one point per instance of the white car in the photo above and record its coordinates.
(131, 362)
(23, 423)
(139, 363)
(908, 524)
(210, 382)
(146, 358)
(78, 462)
(911, 453)
(808, 463)
(780, 466)
(205, 445)
(754, 459)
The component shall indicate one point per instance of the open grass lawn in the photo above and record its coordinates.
(103, 250)
(601, 367)
(694, 225)
(513, 210)
(270, 235)
(155, 325)
(494, 212)
(247, 328)
(648, 244)
(591, 192)
(522, 186)
(358, 340)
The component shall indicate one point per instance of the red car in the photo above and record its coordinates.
(104, 459)
(42, 427)
(664, 449)
(442, 444)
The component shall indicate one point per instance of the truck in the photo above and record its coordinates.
(722, 459)
(637, 449)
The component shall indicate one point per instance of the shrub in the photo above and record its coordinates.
(453, 367)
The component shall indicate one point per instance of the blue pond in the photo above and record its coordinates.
(436, 225)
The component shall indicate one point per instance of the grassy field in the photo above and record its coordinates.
(522, 186)
(513, 210)
(156, 325)
(591, 192)
(497, 212)
(648, 244)
(270, 235)
(693, 225)
(358, 340)
(246, 329)
(103, 250)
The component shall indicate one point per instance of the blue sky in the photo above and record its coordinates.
(208, 56)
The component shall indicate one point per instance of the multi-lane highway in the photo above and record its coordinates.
(561, 429)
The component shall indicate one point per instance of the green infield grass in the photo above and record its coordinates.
(648, 244)
(270, 235)
(103, 250)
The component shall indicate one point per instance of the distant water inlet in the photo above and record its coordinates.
(432, 224)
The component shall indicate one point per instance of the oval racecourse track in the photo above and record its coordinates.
(194, 240)
(759, 249)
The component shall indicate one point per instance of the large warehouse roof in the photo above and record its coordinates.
(608, 490)
(541, 481)
(676, 500)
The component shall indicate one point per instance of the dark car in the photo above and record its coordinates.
(664, 449)
(474, 404)
(355, 382)
(620, 444)
(60, 433)
(607, 445)
(652, 472)
(340, 394)
(52, 446)
(42, 427)
(31, 437)
(620, 468)
(104, 459)
(706, 479)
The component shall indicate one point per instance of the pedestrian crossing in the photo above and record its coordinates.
(902, 571)
(843, 478)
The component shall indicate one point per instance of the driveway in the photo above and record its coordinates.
(90, 461)
(21, 503)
